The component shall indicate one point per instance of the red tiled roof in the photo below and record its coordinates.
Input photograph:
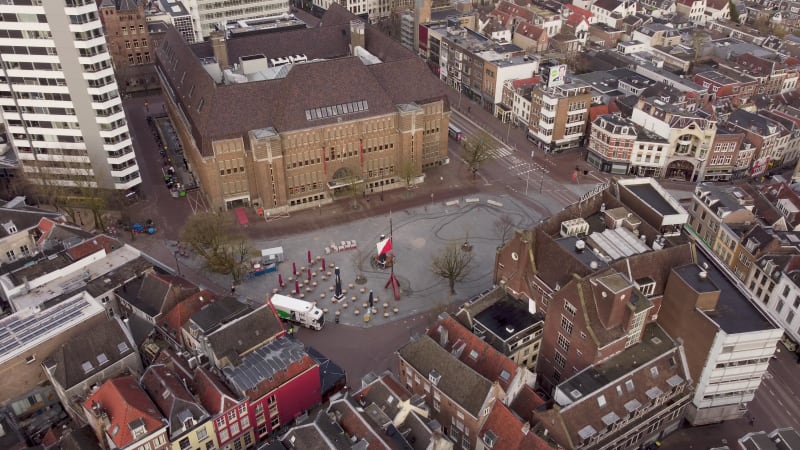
(526, 82)
(577, 10)
(165, 387)
(599, 110)
(526, 401)
(529, 30)
(93, 245)
(515, 10)
(575, 19)
(45, 226)
(508, 428)
(125, 402)
(354, 424)
(176, 317)
(487, 361)
(212, 393)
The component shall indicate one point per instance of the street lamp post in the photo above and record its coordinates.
(177, 263)
(527, 180)
(541, 183)
(508, 131)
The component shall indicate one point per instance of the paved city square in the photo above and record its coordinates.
(418, 235)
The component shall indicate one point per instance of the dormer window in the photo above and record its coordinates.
(434, 377)
(489, 438)
(10, 227)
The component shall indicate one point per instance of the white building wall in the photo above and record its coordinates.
(733, 372)
(60, 99)
(515, 72)
(211, 13)
(783, 306)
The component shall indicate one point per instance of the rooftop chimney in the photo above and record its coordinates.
(220, 48)
(356, 35)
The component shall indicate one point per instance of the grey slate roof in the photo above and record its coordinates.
(462, 384)
(264, 363)
(106, 338)
(22, 216)
(244, 334)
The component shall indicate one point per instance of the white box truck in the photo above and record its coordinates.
(298, 311)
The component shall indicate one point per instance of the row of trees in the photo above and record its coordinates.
(226, 250)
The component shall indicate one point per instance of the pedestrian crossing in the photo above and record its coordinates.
(527, 177)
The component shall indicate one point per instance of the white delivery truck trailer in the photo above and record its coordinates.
(298, 311)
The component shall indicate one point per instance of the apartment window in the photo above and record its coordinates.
(202, 434)
(779, 308)
(566, 325)
(231, 416)
(128, 44)
(569, 308)
(790, 317)
(275, 423)
(561, 361)
(184, 443)
(25, 250)
(10, 255)
(563, 342)
(786, 291)
(220, 422)
(796, 302)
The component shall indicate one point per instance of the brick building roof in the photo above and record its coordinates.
(128, 406)
(457, 380)
(335, 78)
(473, 351)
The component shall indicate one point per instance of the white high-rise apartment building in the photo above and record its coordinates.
(217, 13)
(59, 97)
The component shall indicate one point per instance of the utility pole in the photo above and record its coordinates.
(527, 180)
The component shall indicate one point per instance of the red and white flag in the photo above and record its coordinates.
(384, 246)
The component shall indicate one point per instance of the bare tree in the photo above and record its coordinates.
(699, 41)
(213, 237)
(452, 264)
(503, 226)
(358, 263)
(80, 192)
(409, 172)
(478, 148)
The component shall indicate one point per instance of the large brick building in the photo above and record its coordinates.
(129, 42)
(291, 119)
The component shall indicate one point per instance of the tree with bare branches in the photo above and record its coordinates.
(478, 148)
(358, 263)
(452, 264)
(224, 249)
(409, 172)
(503, 226)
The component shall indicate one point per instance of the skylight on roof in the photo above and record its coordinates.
(505, 376)
(102, 359)
(123, 347)
(327, 112)
(87, 366)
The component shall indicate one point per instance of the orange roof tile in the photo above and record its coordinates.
(510, 430)
(575, 19)
(212, 393)
(526, 401)
(125, 402)
(526, 82)
(476, 353)
(175, 318)
(45, 226)
(578, 10)
(93, 245)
